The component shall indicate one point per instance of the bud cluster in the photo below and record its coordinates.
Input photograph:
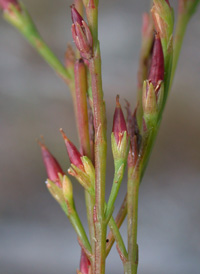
(81, 34)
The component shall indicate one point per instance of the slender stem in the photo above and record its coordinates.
(119, 220)
(100, 147)
(181, 27)
(132, 200)
(115, 188)
(118, 238)
(78, 227)
(83, 130)
(100, 161)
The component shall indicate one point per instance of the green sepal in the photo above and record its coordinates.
(89, 169)
(120, 151)
(67, 189)
(57, 194)
(83, 178)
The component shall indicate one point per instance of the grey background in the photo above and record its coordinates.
(35, 236)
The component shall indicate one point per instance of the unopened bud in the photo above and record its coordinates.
(73, 153)
(81, 34)
(156, 73)
(6, 4)
(53, 168)
(119, 123)
(84, 263)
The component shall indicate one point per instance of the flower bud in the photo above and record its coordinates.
(5, 4)
(81, 34)
(119, 123)
(73, 153)
(152, 103)
(156, 73)
(53, 168)
(84, 263)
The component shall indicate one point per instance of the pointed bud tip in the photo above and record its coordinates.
(76, 17)
(73, 153)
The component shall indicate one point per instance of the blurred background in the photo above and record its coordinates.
(35, 235)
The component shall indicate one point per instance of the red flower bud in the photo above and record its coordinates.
(156, 72)
(119, 124)
(51, 164)
(84, 263)
(81, 34)
(4, 4)
(73, 153)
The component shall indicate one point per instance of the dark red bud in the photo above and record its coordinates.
(73, 153)
(156, 72)
(51, 164)
(4, 4)
(76, 17)
(84, 263)
(119, 123)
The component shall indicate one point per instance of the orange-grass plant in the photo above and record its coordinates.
(132, 139)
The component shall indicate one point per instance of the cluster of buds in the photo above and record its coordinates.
(153, 87)
(81, 166)
(81, 34)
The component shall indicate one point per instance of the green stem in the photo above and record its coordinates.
(118, 238)
(181, 27)
(115, 189)
(83, 132)
(78, 227)
(118, 220)
(132, 200)
(100, 161)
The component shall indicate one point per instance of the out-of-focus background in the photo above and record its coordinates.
(35, 235)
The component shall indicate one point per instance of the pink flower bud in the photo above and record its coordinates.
(51, 164)
(4, 4)
(119, 124)
(84, 263)
(81, 34)
(73, 153)
(156, 72)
